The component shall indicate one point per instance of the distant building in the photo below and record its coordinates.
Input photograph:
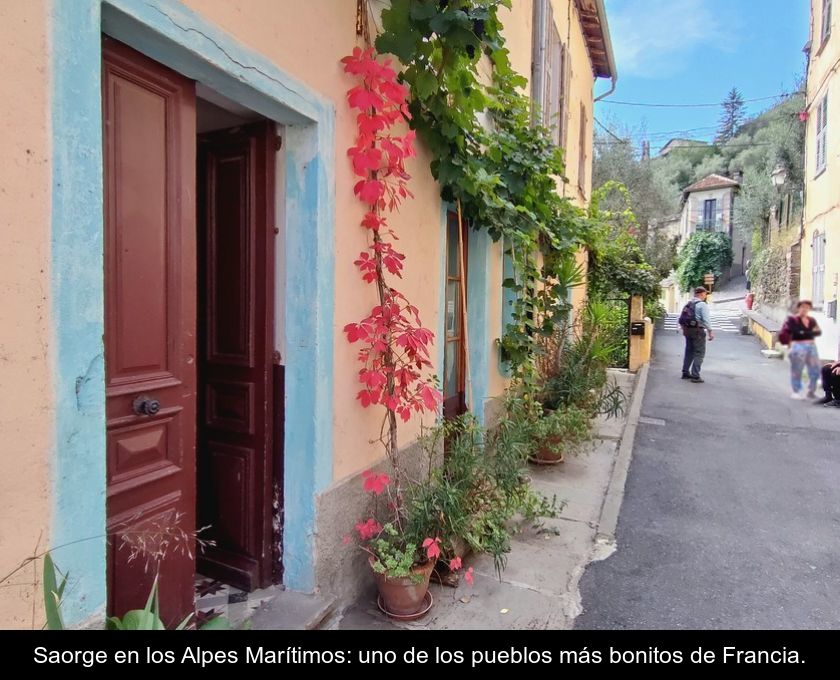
(709, 205)
(676, 143)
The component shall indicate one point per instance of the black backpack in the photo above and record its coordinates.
(688, 316)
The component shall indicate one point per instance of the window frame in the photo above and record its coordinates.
(821, 150)
(551, 92)
(825, 22)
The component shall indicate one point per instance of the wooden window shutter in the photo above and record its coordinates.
(563, 99)
(582, 150)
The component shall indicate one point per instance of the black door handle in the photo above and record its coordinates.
(146, 406)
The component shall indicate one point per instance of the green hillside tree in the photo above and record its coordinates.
(732, 116)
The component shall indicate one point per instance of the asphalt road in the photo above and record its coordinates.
(731, 517)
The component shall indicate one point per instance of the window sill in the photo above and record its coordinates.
(821, 171)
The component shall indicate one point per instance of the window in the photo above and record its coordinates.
(584, 131)
(551, 62)
(822, 128)
(825, 31)
(454, 356)
(709, 211)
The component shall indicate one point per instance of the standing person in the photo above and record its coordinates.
(696, 323)
(799, 331)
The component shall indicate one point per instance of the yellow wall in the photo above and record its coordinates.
(26, 412)
(822, 210)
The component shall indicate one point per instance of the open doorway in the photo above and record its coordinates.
(194, 390)
(235, 455)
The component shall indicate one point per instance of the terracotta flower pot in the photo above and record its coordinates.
(404, 595)
(549, 452)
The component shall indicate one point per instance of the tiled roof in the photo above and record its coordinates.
(711, 182)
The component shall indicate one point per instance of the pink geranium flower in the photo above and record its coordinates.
(368, 530)
(374, 483)
(468, 577)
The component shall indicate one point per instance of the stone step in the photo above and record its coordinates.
(290, 610)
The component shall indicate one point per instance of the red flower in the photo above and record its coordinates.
(468, 577)
(803, 115)
(374, 483)
(369, 529)
(432, 546)
(455, 564)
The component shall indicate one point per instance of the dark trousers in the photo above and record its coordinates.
(830, 382)
(695, 350)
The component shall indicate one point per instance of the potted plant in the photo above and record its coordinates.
(400, 554)
(559, 433)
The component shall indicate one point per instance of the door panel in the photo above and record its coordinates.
(236, 347)
(149, 170)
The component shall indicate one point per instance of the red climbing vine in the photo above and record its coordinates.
(395, 346)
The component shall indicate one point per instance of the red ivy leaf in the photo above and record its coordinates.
(369, 191)
(362, 98)
(432, 546)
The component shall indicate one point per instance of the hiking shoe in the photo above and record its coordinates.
(823, 401)
(686, 376)
(698, 379)
(835, 403)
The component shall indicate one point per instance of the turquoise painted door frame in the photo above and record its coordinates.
(171, 34)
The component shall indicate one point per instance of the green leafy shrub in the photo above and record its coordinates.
(578, 376)
(560, 433)
(703, 252)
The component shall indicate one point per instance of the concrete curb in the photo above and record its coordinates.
(611, 507)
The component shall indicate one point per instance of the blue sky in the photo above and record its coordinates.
(695, 51)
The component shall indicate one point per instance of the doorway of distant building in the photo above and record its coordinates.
(194, 460)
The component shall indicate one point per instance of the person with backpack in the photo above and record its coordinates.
(799, 331)
(696, 324)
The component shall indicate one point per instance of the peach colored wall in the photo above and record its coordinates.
(581, 82)
(309, 46)
(26, 412)
(518, 31)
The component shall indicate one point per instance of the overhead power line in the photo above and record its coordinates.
(700, 146)
(692, 106)
(609, 132)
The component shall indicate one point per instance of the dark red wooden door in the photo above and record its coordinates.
(455, 357)
(150, 313)
(236, 226)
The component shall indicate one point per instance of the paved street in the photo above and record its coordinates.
(731, 517)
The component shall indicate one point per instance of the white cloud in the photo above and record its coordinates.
(654, 38)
